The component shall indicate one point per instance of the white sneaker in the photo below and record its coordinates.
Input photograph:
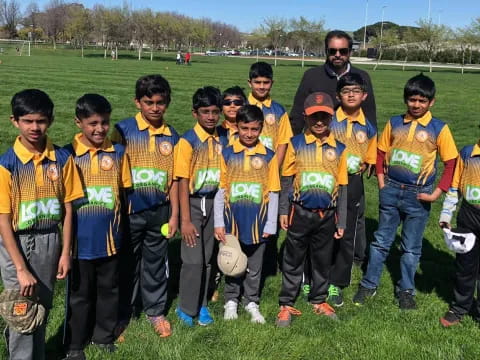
(253, 309)
(230, 310)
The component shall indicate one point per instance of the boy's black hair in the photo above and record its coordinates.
(207, 96)
(150, 85)
(235, 91)
(91, 104)
(351, 80)
(249, 113)
(260, 69)
(419, 85)
(338, 34)
(32, 101)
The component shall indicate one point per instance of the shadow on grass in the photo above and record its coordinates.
(54, 345)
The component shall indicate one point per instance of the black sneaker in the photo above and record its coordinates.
(406, 301)
(335, 296)
(450, 319)
(363, 294)
(75, 355)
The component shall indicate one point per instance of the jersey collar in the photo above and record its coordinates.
(80, 148)
(226, 125)
(202, 134)
(340, 114)
(475, 150)
(252, 101)
(424, 120)
(144, 124)
(310, 138)
(258, 149)
(26, 155)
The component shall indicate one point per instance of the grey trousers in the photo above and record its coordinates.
(196, 268)
(252, 278)
(42, 251)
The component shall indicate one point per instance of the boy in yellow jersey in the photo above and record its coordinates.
(233, 99)
(197, 168)
(313, 197)
(246, 206)
(152, 202)
(93, 296)
(39, 181)
(356, 132)
(276, 132)
(465, 184)
(408, 148)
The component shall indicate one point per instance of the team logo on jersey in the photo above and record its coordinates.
(248, 191)
(406, 159)
(257, 162)
(421, 136)
(165, 148)
(52, 172)
(361, 137)
(270, 119)
(218, 148)
(311, 180)
(31, 212)
(330, 154)
(472, 194)
(106, 163)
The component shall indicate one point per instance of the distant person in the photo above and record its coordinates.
(113, 54)
(406, 171)
(187, 58)
(178, 58)
(39, 181)
(338, 46)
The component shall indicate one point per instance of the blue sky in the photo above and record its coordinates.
(342, 14)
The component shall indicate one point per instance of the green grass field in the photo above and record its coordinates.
(378, 330)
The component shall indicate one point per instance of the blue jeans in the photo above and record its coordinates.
(398, 202)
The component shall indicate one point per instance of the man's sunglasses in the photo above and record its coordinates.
(342, 51)
(234, 102)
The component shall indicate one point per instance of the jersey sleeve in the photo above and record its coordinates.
(273, 175)
(446, 145)
(126, 173)
(284, 130)
(458, 172)
(384, 141)
(371, 155)
(342, 177)
(223, 173)
(6, 186)
(183, 159)
(71, 181)
(288, 166)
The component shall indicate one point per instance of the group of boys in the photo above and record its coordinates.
(239, 178)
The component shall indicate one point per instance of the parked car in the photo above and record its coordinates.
(213, 53)
(293, 54)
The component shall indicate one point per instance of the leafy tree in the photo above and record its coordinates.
(430, 38)
(80, 26)
(303, 31)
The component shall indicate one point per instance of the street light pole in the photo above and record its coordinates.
(429, 10)
(365, 29)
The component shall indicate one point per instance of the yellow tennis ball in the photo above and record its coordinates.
(164, 229)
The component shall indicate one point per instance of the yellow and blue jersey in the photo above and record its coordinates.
(411, 147)
(318, 167)
(197, 158)
(467, 174)
(247, 176)
(226, 133)
(36, 186)
(359, 136)
(150, 152)
(97, 217)
(276, 125)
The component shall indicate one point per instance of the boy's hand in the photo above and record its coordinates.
(189, 233)
(266, 235)
(219, 233)
(27, 282)
(64, 265)
(338, 234)
(444, 225)
(430, 197)
(284, 222)
(172, 227)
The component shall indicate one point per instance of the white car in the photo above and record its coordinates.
(213, 53)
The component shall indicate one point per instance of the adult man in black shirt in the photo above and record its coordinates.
(338, 46)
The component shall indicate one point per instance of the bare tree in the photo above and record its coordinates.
(10, 16)
(275, 28)
(31, 20)
(430, 38)
(303, 31)
(54, 20)
(388, 39)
